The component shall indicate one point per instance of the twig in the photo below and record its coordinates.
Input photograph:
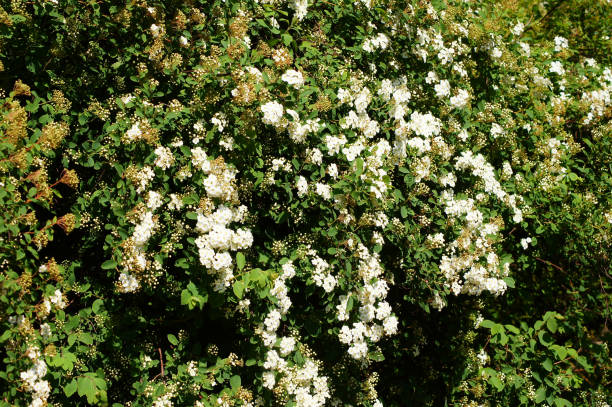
(549, 263)
(161, 360)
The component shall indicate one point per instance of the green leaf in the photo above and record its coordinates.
(487, 324)
(545, 338)
(85, 338)
(235, 382)
(287, 39)
(561, 402)
(359, 163)
(86, 387)
(540, 394)
(172, 339)
(109, 264)
(185, 297)
(548, 364)
(97, 304)
(513, 329)
(376, 356)
(551, 324)
(5, 336)
(238, 288)
(349, 304)
(240, 260)
(494, 380)
(70, 388)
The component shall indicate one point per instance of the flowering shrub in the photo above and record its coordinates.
(304, 203)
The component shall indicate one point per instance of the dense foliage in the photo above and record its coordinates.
(305, 203)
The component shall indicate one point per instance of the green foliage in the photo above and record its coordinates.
(305, 203)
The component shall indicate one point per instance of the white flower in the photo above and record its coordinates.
(525, 242)
(560, 43)
(496, 130)
(154, 200)
(557, 67)
(424, 124)
(332, 170)
(390, 325)
(460, 100)
(432, 77)
(287, 345)
(442, 89)
(220, 120)
(155, 30)
(164, 159)
(134, 132)
(57, 299)
(45, 330)
(268, 380)
(273, 112)
(127, 99)
(380, 41)
(482, 357)
(183, 41)
(518, 29)
(496, 53)
(128, 283)
(359, 350)
(192, 368)
(293, 78)
(300, 7)
(272, 321)
(302, 186)
(323, 190)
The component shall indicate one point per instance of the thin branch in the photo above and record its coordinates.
(549, 263)
(161, 360)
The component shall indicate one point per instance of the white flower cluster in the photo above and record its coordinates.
(128, 283)
(136, 259)
(599, 99)
(485, 171)
(557, 67)
(299, 130)
(373, 173)
(360, 98)
(165, 400)
(219, 119)
(525, 242)
(561, 43)
(216, 240)
(442, 88)
(143, 178)
(379, 41)
(272, 113)
(322, 273)
(32, 378)
(302, 384)
(431, 42)
(293, 78)
(300, 7)
(461, 264)
(424, 125)
(518, 29)
(375, 319)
